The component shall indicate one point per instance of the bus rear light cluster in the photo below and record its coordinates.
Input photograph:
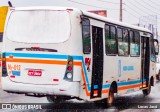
(69, 69)
(4, 67)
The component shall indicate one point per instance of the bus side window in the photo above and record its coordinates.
(110, 40)
(125, 42)
(134, 43)
(122, 42)
(86, 36)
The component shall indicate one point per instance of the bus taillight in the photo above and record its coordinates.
(4, 65)
(69, 69)
(4, 68)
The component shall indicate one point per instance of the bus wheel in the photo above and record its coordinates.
(147, 91)
(55, 99)
(110, 99)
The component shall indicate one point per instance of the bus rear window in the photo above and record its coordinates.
(39, 26)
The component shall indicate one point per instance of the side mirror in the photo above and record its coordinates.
(156, 46)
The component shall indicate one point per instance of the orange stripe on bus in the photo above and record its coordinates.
(42, 61)
(37, 61)
(78, 63)
(105, 91)
(129, 87)
(87, 93)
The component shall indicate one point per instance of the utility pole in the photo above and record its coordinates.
(120, 16)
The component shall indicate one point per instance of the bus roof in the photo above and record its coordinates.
(109, 20)
(85, 13)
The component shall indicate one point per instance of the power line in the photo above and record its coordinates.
(136, 6)
(150, 5)
(154, 2)
(131, 14)
(134, 15)
(134, 10)
(108, 2)
(91, 5)
(147, 7)
(139, 8)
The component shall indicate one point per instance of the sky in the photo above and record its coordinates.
(134, 11)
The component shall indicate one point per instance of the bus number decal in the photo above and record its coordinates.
(14, 67)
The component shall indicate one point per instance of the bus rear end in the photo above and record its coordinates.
(37, 55)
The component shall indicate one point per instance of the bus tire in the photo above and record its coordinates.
(147, 91)
(99, 102)
(110, 99)
(55, 99)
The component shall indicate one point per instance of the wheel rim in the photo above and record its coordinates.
(110, 98)
(149, 89)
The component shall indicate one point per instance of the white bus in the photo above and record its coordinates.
(66, 53)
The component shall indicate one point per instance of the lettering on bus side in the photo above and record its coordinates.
(128, 68)
(14, 67)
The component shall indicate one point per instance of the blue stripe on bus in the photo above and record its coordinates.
(29, 55)
(106, 86)
(129, 82)
(85, 73)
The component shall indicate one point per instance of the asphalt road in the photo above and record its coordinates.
(124, 103)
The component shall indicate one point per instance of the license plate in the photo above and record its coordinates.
(34, 72)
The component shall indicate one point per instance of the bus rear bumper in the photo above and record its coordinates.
(66, 88)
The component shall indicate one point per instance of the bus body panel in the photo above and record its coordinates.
(65, 88)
